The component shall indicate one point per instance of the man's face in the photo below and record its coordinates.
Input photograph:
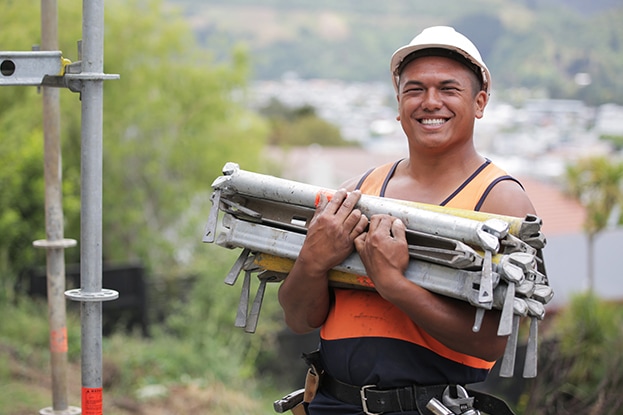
(438, 102)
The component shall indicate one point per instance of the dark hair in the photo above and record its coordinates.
(445, 53)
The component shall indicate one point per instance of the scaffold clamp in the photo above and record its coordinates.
(30, 68)
(45, 68)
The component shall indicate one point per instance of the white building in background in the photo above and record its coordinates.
(609, 120)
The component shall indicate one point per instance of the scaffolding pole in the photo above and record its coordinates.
(55, 243)
(91, 294)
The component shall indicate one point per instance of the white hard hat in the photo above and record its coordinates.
(442, 37)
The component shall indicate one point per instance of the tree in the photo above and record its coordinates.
(596, 183)
(164, 153)
(300, 126)
(170, 123)
(21, 175)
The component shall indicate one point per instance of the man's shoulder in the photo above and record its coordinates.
(509, 198)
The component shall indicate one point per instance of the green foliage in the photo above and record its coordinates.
(208, 315)
(581, 370)
(27, 330)
(21, 175)
(589, 330)
(615, 140)
(300, 126)
(16, 328)
(170, 123)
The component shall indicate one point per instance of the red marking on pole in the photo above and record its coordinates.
(58, 340)
(91, 401)
(327, 193)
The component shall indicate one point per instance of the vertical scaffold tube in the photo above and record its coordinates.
(91, 295)
(91, 213)
(55, 243)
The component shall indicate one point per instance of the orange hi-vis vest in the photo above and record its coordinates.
(362, 321)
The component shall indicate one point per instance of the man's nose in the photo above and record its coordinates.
(432, 99)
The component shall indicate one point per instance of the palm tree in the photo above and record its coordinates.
(596, 183)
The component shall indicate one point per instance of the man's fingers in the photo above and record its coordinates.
(398, 229)
(330, 203)
(348, 203)
(387, 226)
(360, 241)
(381, 224)
(341, 203)
(360, 223)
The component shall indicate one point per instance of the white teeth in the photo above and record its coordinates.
(435, 121)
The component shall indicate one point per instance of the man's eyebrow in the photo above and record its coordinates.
(451, 81)
(413, 82)
(454, 83)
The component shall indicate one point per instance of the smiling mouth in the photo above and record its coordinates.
(433, 121)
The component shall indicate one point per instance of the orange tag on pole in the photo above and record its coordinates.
(91, 401)
(58, 340)
(327, 193)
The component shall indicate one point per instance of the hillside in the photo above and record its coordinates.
(534, 44)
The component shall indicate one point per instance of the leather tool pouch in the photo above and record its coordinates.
(312, 379)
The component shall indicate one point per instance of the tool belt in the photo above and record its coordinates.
(401, 399)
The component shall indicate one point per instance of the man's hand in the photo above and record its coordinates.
(384, 252)
(332, 231)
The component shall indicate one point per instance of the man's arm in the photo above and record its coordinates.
(304, 294)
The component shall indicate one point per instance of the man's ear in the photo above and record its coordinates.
(480, 102)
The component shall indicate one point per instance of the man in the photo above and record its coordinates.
(403, 335)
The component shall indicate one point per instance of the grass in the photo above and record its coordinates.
(163, 374)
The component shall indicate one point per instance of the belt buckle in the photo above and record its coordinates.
(364, 400)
